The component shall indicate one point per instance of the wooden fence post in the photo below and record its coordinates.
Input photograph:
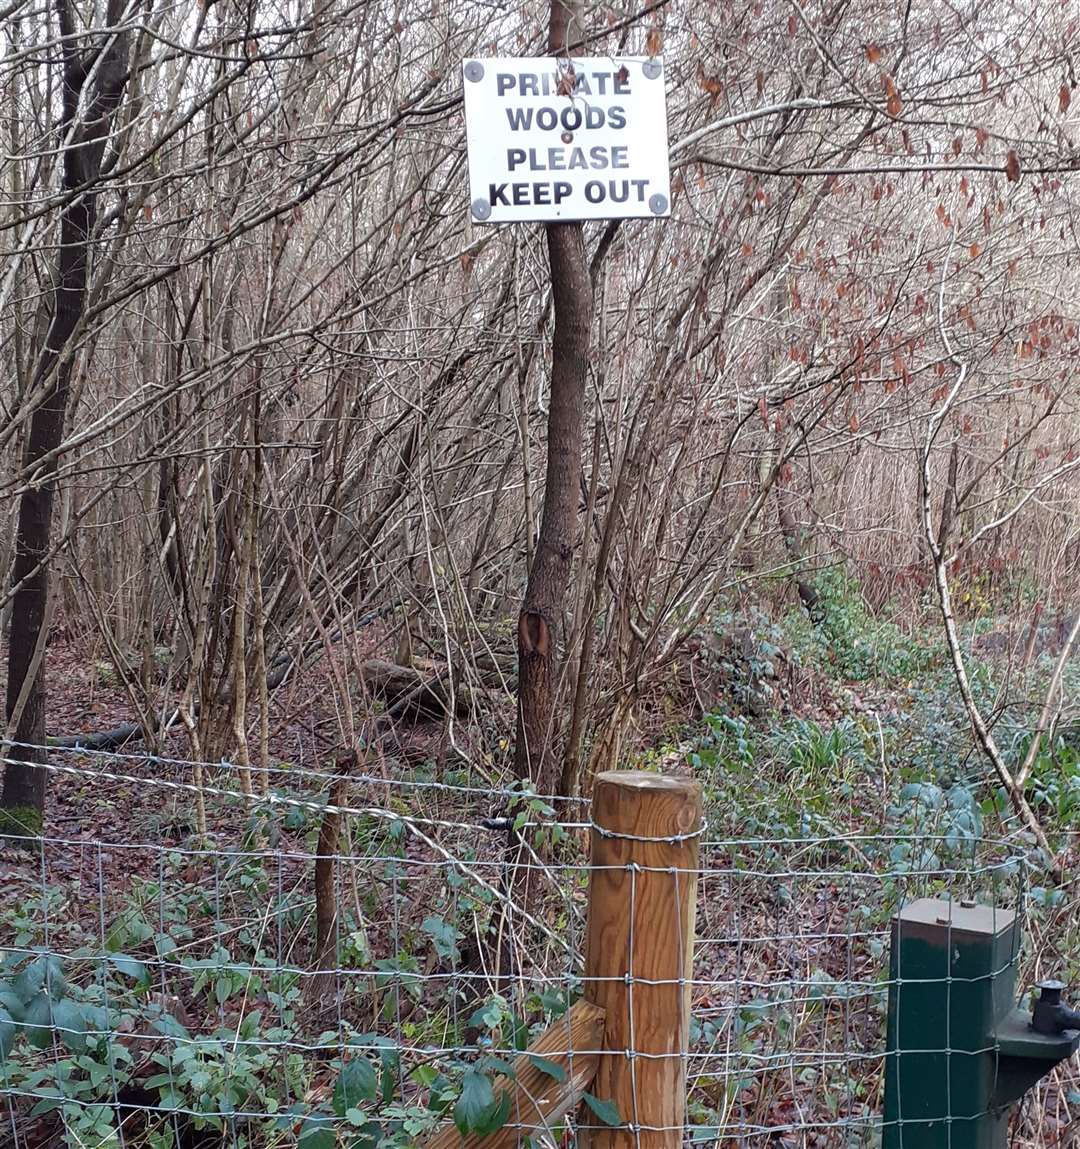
(639, 950)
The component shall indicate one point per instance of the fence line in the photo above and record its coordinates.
(294, 772)
(169, 964)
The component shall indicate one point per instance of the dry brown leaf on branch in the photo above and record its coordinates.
(1012, 166)
(710, 84)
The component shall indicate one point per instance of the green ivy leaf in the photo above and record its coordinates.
(47, 1104)
(37, 1022)
(489, 1015)
(41, 973)
(443, 936)
(368, 1137)
(356, 1082)
(607, 1111)
(551, 1068)
(493, 1064)
(70, 1024)
(11, 1002)
(425, 1075)
(516, 1033)
(130, 967)
(317, 1133)
(554, 1002)
(497, 1116)
(476, 1101)
(8, 1031)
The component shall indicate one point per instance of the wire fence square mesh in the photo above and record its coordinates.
(264, 989)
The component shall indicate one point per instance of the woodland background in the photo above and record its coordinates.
(306, 478)
(289, 398)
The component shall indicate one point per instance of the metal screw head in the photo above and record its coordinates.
(658, 204)
(968, 903)
(474, 71)
(652, 69)
(481, 209)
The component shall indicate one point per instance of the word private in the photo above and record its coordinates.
(556, 139)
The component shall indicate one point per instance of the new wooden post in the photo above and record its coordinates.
(641, 923)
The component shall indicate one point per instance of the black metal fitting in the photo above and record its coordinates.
(1049, 1013)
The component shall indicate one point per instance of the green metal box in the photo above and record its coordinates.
(952, 985)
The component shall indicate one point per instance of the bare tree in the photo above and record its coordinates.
(94, 73)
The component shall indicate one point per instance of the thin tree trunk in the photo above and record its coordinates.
(549, 577)
(326, 901)
(23, 797)
(793, 544)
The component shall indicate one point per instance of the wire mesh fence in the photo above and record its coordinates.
(401, 965)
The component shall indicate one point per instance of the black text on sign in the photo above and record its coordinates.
(564, 140)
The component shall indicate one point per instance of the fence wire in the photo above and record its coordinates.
(279, 983)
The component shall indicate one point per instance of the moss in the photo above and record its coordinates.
(21, 822)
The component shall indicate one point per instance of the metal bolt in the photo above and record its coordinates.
(658, 204)
(481, 209)
(968, 903)
(1050, 990)
(568, 137)
(474, 71)
(652, 69)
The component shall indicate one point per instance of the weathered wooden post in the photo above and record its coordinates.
(638, 952)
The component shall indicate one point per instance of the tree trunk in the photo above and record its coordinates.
(326, 901)
(549, 577)
(22, 801)
(793, 544)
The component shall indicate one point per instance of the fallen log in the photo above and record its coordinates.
(127, 732)
(418, 691)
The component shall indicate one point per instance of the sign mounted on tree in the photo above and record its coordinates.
(561, 139)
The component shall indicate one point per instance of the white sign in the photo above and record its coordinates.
(557, 139)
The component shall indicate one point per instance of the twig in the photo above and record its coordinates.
(983, 736)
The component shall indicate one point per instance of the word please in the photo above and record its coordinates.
(567, 159)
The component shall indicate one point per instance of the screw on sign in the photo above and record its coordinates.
(553, 139)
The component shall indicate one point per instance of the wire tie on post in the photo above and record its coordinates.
(670, 839)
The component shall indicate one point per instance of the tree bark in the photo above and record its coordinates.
(22, 801)
(326, 901)
(793, 544)
(549, 577)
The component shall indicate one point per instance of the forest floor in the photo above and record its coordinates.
(840, 782)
